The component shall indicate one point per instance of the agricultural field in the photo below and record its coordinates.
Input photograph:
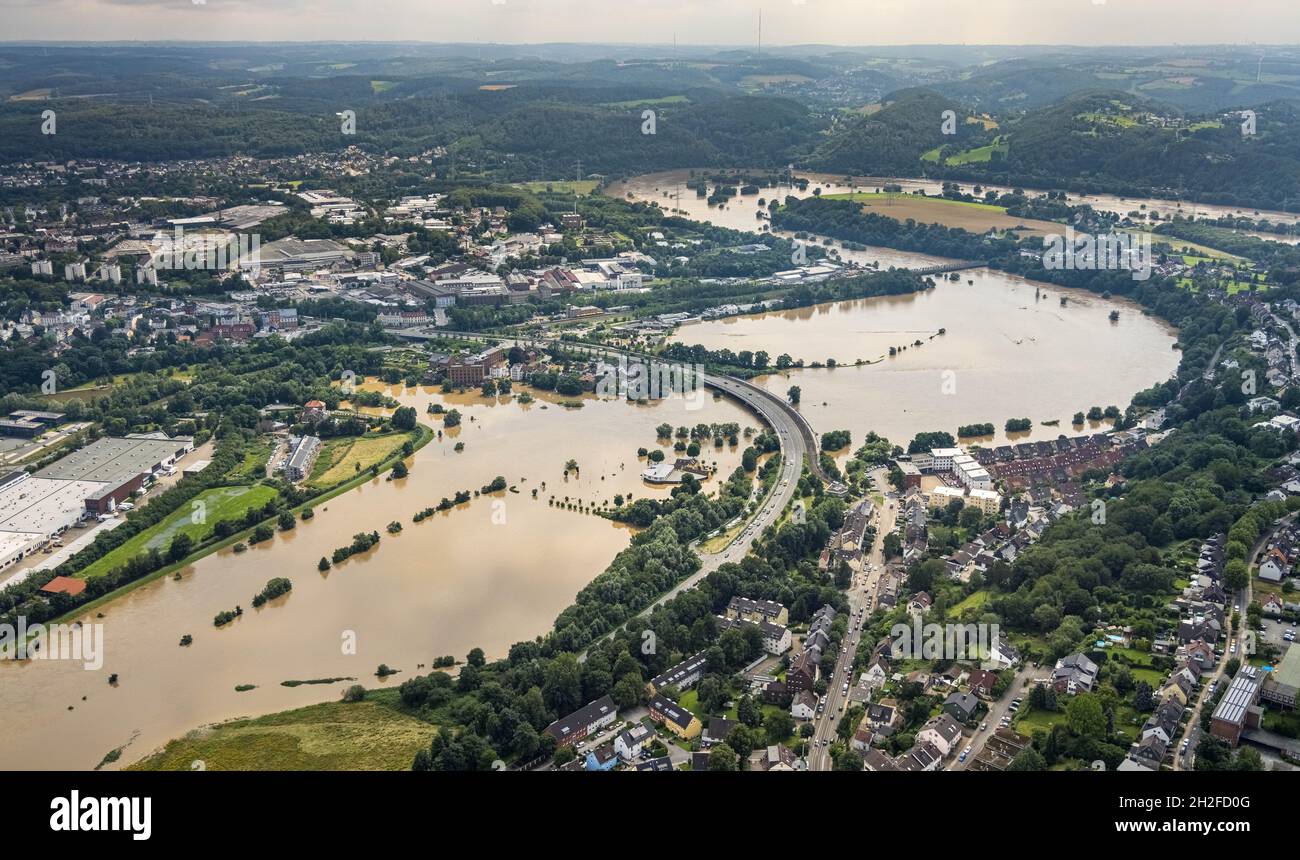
(978, 155)
(363, 735)
(219, 503)
(345, 457)
(975, 217)
(1192, 252)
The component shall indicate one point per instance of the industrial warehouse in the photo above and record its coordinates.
(89, 482)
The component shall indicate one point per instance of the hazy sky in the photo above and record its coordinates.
(845, 22)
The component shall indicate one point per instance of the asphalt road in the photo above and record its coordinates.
(1241, 600)
(862, 600)
(793, 435)
(993, 719)
(793, 451)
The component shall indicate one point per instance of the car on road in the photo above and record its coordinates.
(983, 726)
(962, 757)
(1234, 648)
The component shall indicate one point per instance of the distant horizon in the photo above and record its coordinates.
(614, 44)
(721, 23)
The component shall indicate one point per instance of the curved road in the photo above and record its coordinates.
(862, 594)
(794, 433)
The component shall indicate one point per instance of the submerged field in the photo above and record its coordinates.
(975, 217)
(220, 503)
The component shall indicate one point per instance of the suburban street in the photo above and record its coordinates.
(1243, 635)
(997, 710)
(862, 600)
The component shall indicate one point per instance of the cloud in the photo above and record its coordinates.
(841, 22)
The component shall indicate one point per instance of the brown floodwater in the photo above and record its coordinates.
(487, 574)
(669, 190)
(1004, 354)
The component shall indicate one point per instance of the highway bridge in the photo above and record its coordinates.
(780, 415)
(798, 442)
(947, 267)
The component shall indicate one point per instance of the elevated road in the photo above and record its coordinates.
(793, 432)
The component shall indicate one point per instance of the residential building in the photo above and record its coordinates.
(675, 718)
(804, 705)
(303, 451)
(745, 609)
(942, 731)
(630, 743)
(582, 722)
(1074, 674)
(683, 676)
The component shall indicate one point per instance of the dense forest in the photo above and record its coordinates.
(1051, 120)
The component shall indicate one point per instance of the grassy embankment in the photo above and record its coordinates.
(422, 435)
(366, 735)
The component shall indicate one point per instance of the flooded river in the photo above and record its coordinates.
(486, 574)
(668, 188)
(1004, 354)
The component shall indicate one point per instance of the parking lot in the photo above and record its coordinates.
(1275, 632)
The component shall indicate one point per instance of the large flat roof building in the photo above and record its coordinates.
(117, 460)
(1239, 707)
(15, 546)
(292, 253)
(44, 505)
(1282, 684)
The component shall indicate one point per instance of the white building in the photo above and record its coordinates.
(941, 459)
(629, 744)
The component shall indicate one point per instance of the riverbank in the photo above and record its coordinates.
(426, 435)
